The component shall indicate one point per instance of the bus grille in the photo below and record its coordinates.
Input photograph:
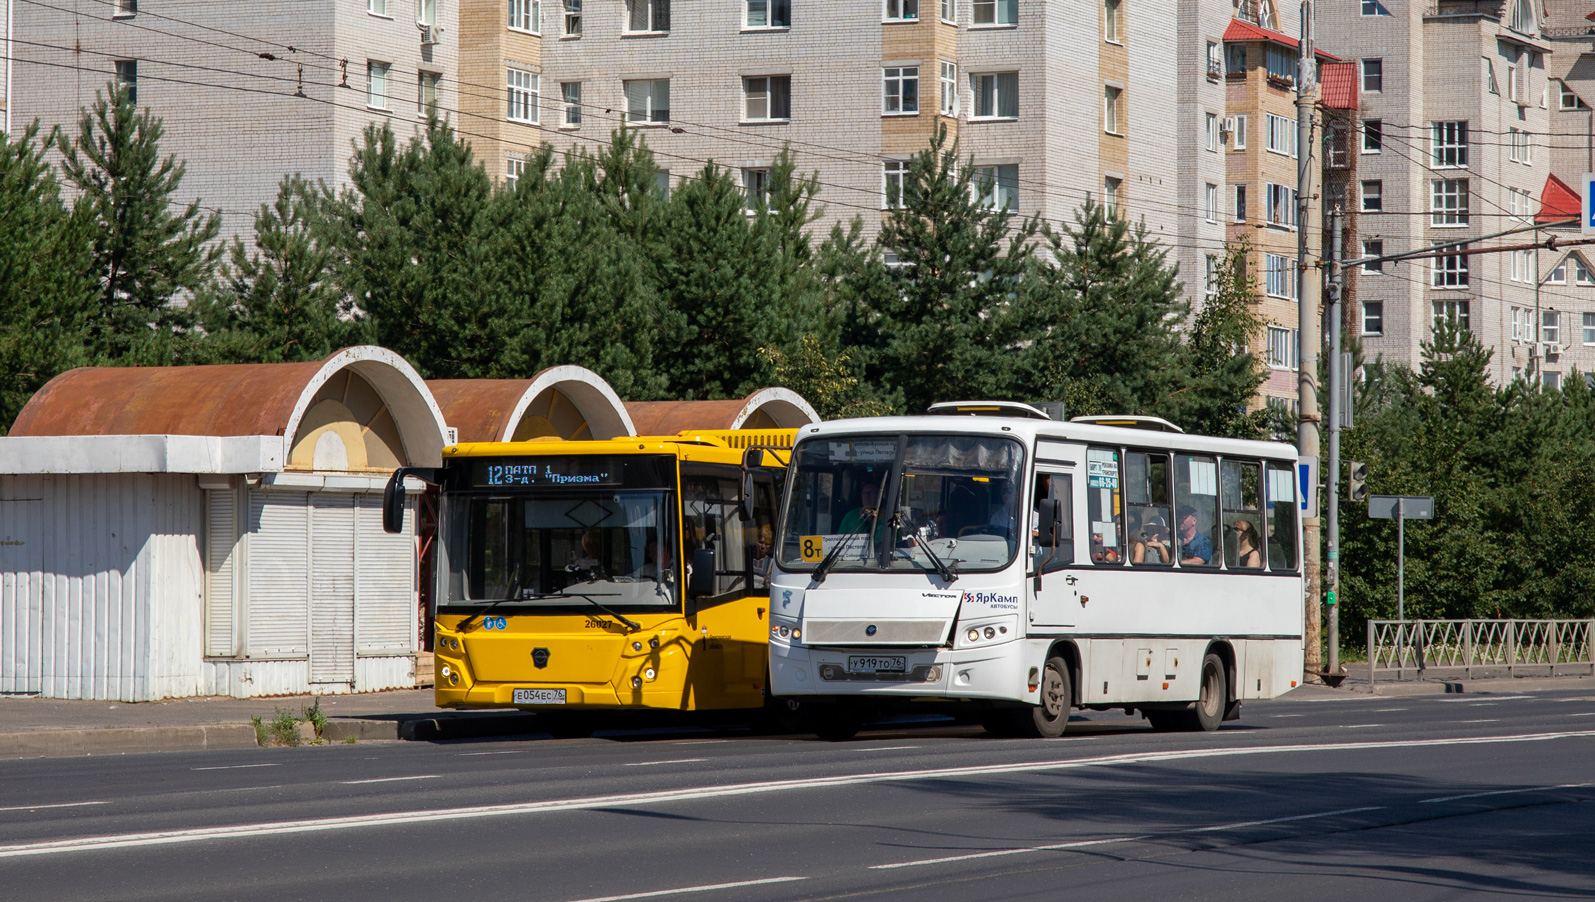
(887, 632)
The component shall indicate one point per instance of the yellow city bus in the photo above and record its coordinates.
(583, 576)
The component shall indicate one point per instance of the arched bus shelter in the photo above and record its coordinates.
(179, 531)
(561, 402)
(767, 408)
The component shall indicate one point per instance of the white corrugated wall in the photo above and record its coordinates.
(100, 586)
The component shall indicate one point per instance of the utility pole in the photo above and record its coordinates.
(1307, 321)
(1337, 401)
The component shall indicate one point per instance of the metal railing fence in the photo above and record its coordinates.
(1400, 649)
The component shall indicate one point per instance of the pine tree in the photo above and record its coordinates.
(150, 260)
(1219, 374)
(47, 286)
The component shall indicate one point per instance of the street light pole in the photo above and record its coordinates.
(1309, 339)
(1337, 401)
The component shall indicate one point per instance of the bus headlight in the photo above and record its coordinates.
(974, 635)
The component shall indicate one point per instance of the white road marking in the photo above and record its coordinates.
(1359, 726)
(235, 766)
(1474, 701)
(1287, 715)
(886, 748)
(1583, 714)
(392, 779)
(1503, 792)
(671, 761)
(700, 741)
(1083, 844)
(702, 793)
(1386, 710)
(56, 805)
(502, 752)
(249, 788)
(693, 889)
(1486, 720)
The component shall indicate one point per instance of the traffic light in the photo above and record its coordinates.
(1357, 484)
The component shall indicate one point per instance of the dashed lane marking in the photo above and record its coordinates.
(693, 889)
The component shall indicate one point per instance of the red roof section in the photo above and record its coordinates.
(1240, 30)
(1559, 202)
(1337, 85)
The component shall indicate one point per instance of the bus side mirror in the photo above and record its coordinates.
(701, 581)
(1050, 516)
(751, 458)
(393, 503)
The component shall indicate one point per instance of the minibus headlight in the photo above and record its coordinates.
(974, 635)
(990, 633)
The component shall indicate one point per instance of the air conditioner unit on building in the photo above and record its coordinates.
(429, 34)
(1228, 125)
(1553, 349)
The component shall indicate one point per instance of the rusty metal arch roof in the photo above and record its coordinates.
(489, 410)
(227, 400)
(782, 405)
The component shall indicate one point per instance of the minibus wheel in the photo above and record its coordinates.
(1048, 719)
(1208, 711)
(835, 723)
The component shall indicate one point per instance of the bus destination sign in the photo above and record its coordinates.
(548, 471)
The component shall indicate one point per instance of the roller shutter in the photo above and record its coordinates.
(221, 541)
(332, 577)
(385, 588)
(279, 568)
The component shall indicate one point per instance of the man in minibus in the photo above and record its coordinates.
(1195, 547)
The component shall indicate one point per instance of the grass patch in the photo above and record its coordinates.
(316, 718)
(262, 735)
(284, 728)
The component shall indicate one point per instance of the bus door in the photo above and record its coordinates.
(731, 621)
(1056, 601)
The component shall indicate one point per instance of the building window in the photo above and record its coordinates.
(1567, 99)
(756, 190)
(1210, 282)
(125, 9)
(1281, 65)
(1373, 317)
(1522, 204)
(1240, 203)
(1279, 276)
(1281, 348)
(996, 12)
(1373, 135)
(769, 13)
(377, 7)
(662, 182)
(1448, 145)
(1210, 121)
(127, 77)
(894, 181)
(949, 88)
(1521, 265)
(647, 16)
(426, 92)
(1581, 273)
(998, 186)
(1519, 147)
(1489, 77)
(901, 10)
(901, 90)
(1448, 203)
(1281, 135)
(1373, 247)
(996, 95)
(573, 18)
(1110, 21)
(570, 95)
(427, 14)
(767, 98)
(1110, 109)
(1522, 17)
(514, 168)
(647, 100)
(949, 11)
(523, 99)
(1373, 76)
(1211, 202)
(376, 85)
(1373, 196)
(1240, 133)
(1550, 327)
(1215, 61)
(1522, 328)
(1456, 311)
(1111, 201)
(1374, 8)
(1279, 205)
(526, 15)
(1550, 379)
(1589, 328)
(1449, 271)
(1235, 60)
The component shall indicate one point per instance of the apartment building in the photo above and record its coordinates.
(1463, 125)
(249, 93)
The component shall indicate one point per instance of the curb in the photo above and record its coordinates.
(121, 740)
(1410, 689)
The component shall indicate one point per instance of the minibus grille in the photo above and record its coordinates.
(866, 632)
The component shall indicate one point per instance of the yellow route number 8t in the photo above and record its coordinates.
(813, 548)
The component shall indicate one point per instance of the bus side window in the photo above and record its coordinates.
(1243, 515)
(1196, 510)
(1281, 517)
(710, 517)
(761, 532)
(1103, 505)
(1057, 487)
(1146, 495)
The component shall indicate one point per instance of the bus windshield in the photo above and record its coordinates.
(885, 502)
(561, 531)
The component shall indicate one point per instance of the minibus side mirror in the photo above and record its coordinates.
(1049, 515)
(701, 582)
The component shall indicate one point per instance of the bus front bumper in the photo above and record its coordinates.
(998, 673)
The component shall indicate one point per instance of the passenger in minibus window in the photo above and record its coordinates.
(1195, 546)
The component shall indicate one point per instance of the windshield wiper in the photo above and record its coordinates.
(515, 590)
(947, 573)
(590, 599)
(864, 521)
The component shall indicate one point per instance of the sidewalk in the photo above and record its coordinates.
(39, 727)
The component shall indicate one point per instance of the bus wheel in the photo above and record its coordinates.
(566, 726)
(1048, 719)
(835, 723)
(1208, 712)
(1163, 721)
(779, 715)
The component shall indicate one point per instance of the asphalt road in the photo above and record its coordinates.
(1430, 798)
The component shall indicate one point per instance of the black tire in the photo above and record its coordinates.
(1208, 711)
(778, 716)
(566, 726)
(999, 722)
(834, 723)
(1050, 718)
(1163, 721)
